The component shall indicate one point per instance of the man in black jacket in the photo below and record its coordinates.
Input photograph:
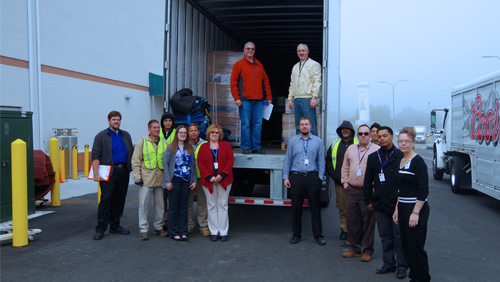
(334, 160)
(381, 194)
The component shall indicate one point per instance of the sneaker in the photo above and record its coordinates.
(343, 235)
(259, 151)
(143, 236)
(366, 257)
(350, 254)
(190, 231)
(205, 232)
(247, 151)
(161, 233)
(346, 244)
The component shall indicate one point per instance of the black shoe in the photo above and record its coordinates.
(343, 235)
(213, 238)
(401, 273)
(295, 239)
(98, 236)
(385, 269)
(223, 238)
(320, 240)
(259, 151)
(247, 151)
(119, 230)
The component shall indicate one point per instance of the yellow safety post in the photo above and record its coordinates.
(75, 162)
(19, 194)
(62, 165)
(55, 193)
(86, 161)
(98, 192)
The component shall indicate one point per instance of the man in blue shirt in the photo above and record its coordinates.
(112, 147)
(303, 172)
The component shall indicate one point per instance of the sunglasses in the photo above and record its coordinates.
(363, 133)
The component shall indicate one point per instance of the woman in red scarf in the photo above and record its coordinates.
(215, 162)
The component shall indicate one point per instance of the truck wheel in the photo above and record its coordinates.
(436, 172)
(457, 174)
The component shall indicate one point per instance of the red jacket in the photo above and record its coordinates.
(249, 81)
(225, 159)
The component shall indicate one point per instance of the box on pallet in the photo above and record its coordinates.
(288, 125)
(224, 111)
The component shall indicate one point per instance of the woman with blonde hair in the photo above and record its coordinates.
(215, 162)
(412, 209)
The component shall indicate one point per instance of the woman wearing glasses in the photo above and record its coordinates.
(215, 162)
(412, 210)
(179, 178)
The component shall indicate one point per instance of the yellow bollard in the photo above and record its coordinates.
(98, 192)
(62, 165)
(86, 161)
(75, 162)
(19, 194)
(55, 194)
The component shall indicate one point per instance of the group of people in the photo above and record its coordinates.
(169, 165)
(376, 183)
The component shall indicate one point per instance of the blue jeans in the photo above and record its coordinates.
(251, 124)
(301, 108)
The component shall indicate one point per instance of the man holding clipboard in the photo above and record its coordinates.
(112, 147)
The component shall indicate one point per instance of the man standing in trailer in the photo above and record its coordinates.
(249, 88)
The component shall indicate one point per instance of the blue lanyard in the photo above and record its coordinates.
(306, 146)
(216, 152)
(361, 159)
(382, 168)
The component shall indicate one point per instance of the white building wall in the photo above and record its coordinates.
(120, 41)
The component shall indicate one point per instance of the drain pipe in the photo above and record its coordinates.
(30, 60)
(39, 75)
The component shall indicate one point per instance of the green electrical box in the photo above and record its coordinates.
(15, 125)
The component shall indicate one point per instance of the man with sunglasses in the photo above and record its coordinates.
(249, 88)
(360, 220)
(334, 160)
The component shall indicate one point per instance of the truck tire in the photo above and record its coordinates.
(436, 172)
(457, 175)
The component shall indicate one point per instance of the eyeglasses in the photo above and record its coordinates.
(250, 49)
(363, 133)
(214, 132)
(182, 132)
(405, 141)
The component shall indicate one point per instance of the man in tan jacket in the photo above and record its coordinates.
(360, 220)
(147, 171)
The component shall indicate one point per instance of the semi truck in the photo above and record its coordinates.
(467, 148)
(194, 28)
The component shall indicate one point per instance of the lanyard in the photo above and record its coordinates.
(301, 66)
(306, 146)
(382, 168)
(216, 151)
(361, 159)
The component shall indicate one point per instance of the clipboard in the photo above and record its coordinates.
(104, 172)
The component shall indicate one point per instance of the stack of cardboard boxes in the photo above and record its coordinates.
(288, 123)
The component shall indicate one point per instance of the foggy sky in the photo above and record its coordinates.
(435, 45)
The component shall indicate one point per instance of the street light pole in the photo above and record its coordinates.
(393, 104)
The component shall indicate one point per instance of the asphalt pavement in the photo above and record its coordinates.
(461, 244)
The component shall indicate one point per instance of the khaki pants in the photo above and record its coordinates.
(201, 201)
(217, 207)
(145, 195)
(341, 196)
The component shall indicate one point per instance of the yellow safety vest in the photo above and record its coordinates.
(170, 137)
(198, 175)
(334, 151)
(153, 158)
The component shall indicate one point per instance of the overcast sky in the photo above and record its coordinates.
(435, 45)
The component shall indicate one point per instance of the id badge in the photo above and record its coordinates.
(306, 161)
(407, 165)
(298, 82)
(216, 165)
(381, 177)
(184, 169)
(358, 172)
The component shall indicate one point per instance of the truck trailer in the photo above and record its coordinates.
(195, 28)
(468, 146)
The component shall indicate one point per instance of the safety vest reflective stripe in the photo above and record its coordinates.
(334, 151)
(153, 158)
(198, 175)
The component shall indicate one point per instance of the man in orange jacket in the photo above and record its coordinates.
(250, 88)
